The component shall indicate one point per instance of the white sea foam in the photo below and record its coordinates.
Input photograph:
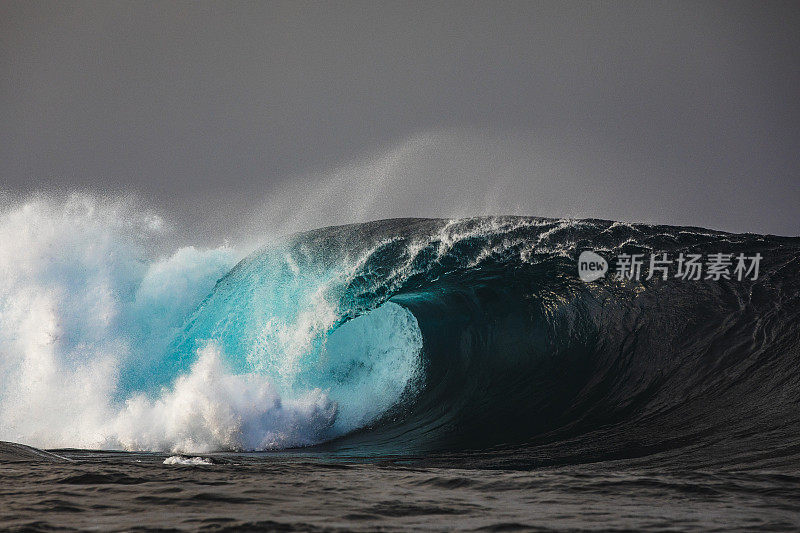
(80, 299)
(211, 409)
(188, 461)
(83, 301)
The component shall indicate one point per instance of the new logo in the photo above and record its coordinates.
(591, 266)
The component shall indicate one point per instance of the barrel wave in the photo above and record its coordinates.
(434, 337)
(477, 334)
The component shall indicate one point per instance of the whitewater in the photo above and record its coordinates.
(88, 315)
(82, 302)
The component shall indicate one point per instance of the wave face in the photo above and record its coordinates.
(399, 336)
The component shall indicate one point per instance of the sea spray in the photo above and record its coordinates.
(90, 326)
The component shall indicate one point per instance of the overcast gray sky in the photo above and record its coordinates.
(233, 116)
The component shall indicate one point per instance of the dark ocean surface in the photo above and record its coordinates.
(130, 491)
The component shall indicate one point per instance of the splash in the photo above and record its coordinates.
(88, 320)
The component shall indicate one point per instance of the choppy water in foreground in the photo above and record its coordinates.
(131, 491)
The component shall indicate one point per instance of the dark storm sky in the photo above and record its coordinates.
(244, 115)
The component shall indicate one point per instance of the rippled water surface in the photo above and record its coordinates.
(121, 491)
